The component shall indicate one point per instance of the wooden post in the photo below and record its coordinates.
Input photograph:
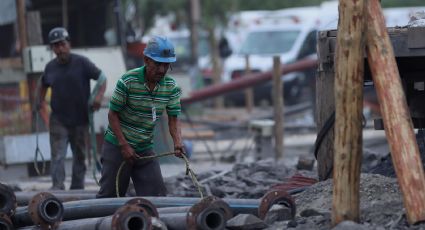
(216, 66)
(65, 13)
(195, 18)
(249, 92)
(278, 107)
(34, 28)
(349, 71)
(325, 102)
(34, 38)
(395, 113)
(21, 12)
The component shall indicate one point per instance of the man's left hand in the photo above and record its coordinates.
(95, 106)
(179, 151)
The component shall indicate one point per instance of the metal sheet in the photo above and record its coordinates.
(19, 149)
(415, 37)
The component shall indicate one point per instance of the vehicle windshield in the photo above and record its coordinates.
(183, 49)
(269, 42)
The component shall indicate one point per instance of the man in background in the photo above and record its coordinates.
(68, 76)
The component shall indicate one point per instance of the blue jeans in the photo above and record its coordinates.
(60, 136)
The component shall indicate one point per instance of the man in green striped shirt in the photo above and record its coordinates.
(139, 99)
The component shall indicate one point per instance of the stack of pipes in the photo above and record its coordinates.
(80, 210)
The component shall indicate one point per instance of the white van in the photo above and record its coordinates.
(291, 41)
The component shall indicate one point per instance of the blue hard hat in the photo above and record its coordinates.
(160, 49)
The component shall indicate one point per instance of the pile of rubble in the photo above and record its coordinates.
(381, 206)
(244, 180)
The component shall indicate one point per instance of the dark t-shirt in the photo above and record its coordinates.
(70, 87)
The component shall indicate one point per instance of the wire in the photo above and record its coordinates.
(189, 171)
(97, 166)
(37, 148)
(330, 122)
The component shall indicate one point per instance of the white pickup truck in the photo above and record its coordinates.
(289, 41)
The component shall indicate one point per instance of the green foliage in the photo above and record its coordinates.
(402, 3)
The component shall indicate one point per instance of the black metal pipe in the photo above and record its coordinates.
(174, 221)
(7, 200)
(237, 205)
(107, 206)
(44, 209)
(166, 210)
(74, 210)
(208, 219)
(128, 217)
(23, 198)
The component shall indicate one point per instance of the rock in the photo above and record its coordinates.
(157, 224)
(311, 212)
(292, 224)
(245, 180)
(349, 225)
(305, 163)
(278, 213)
(245, 222)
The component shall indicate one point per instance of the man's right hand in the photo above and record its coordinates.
(128, 154)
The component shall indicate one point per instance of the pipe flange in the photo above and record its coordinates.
(224, 207)
(276, 197)
(8, 202)
(46, 210)
(207, 210)
(131, 217)
(146, 204)
(5, 222)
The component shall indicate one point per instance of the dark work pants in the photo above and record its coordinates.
(60, 136)
(145, 174)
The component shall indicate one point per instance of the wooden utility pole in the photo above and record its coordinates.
(249, 92)
(349, 71)
(22, 28)
(395, 113)
(65, 13)
(195, 16)
(34, 38)
(278, 107)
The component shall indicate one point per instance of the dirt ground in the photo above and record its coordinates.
(381, 205)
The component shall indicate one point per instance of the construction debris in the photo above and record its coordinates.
(245, 222)
(245, 180)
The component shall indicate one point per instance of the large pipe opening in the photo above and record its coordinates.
(211, 220)
(136, 222)
(51, 211)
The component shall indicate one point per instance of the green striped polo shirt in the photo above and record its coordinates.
(134, 102)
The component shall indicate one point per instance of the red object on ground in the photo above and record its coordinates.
(296, 181)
